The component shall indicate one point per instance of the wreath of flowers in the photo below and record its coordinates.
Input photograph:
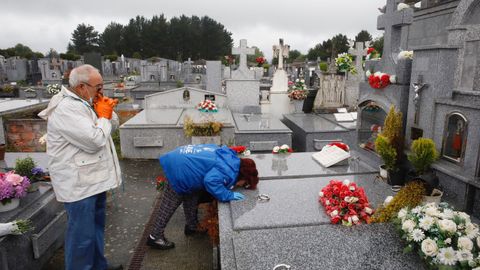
(345, 202)
(444, 238)
(282, 149)
(340, 145)
(241, 150)
(207, 106)
(379, 80)
(372, 54)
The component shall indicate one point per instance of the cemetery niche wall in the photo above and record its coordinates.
(444, 99)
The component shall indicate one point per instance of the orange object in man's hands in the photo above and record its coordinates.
(104, 107)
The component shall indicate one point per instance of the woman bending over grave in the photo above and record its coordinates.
(190, 171)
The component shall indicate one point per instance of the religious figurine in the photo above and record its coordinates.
(457, 141)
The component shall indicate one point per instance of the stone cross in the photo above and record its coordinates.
(392, 22)
(243, 51)
(281, 51)
(359, 52)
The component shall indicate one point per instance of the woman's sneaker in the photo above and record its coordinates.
(160, 243)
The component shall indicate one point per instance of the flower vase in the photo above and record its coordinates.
(10, 205)
(298, 105)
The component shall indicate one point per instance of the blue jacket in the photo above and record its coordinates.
(191, 168)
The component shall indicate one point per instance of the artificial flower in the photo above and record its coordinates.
(429, 247)
(402, 6)
(447, 256)
(464, 243)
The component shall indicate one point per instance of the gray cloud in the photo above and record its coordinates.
(303, 23)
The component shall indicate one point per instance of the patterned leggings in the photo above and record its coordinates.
(169, 204)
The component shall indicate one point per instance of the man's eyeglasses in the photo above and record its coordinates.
(98, 86)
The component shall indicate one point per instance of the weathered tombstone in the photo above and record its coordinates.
(94, 59)
(331, 93)
(243, 89)
(214, 76)
(159, 127)
(353, 80)
(16, 69)
(3, 71)
(280, 103)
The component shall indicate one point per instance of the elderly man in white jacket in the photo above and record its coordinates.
(83, 165)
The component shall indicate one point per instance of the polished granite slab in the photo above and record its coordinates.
(294, 202)
(301, 164)
(261, 123)
(314, 123)
(351, 125)
(292, 228)
(374, 246)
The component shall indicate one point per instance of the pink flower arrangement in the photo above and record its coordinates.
(207, 106)
(345, 202)
(380, 80)
(12, 186)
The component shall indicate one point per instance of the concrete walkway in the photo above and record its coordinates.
(127, 216)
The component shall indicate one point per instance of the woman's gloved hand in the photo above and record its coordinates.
(104, 107)
(238, 196)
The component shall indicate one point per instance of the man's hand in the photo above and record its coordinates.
(104, 107)
(238, 196)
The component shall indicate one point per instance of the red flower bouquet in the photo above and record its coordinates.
(207, 106)
(241, 150)
(282, 149)
(260, 60)
(345, 202)
(372, 53)
(380, 80)
(340, 145)
(161, 182)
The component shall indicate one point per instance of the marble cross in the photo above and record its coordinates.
(393, 23)
(281, 51)
(243, 51)
(359, 52)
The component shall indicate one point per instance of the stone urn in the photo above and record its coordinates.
(10, 205)
(298, 105)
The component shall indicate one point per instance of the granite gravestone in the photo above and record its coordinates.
(94, 59)
(243, 90)
(443, 99)
(280, 103)
(214, 76)
(159, 127)
(16, 69)
(395, 23)
(3, 71)
(351, 93)
(262, 234)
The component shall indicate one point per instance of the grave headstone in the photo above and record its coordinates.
(94, 59)
(16, 69)
(331, 93)
(280, 103)
(214, 76)
(243, 90)
(3, 71)
(243, 72)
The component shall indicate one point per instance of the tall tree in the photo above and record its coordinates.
(110, 40)
(133, 36)
(295, 55)
(84, 39)
(378, 44)
(155, 37)
(363, 36)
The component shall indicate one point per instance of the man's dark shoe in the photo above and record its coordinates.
(115, 267)
(160, 243)
(189, 231)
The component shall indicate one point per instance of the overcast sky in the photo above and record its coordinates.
(45, 24)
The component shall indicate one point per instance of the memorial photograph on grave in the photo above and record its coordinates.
(370, 124)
